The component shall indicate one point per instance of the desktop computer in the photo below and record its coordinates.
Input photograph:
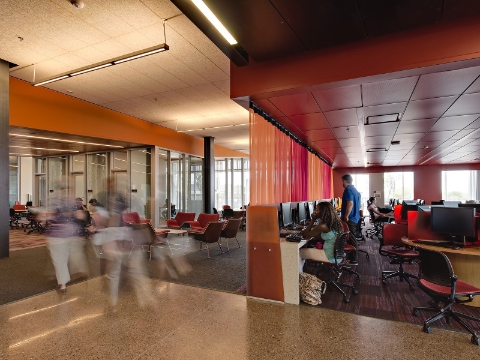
(456, 223)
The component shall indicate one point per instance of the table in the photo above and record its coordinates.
(173, 232)
(465, 263)
(292, 266)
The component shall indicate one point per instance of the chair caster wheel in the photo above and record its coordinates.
(415, 313)
(412, 289)
(475, 340)
(368, 256)
(346, 300)
(355, 291)
(427, 329)
(384, 282)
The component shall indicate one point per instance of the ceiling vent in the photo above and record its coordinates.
(376, 150)
(382, 119)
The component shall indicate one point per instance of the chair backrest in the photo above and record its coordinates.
(132, 218)
(226, 207)
(397, 213)
(231, 229)
(215, 211)
(18, 207)
(346, 229)
(228, 213)
(339, 247)
(12, 212)
(181, 217)
(393, 233)
(213, 231)
(435, 267)
(238, 214)
(142, 233)
(205, 218)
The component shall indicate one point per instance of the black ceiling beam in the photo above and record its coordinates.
(234, 52)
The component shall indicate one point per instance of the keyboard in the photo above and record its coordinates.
(294, 237)
(442, 243)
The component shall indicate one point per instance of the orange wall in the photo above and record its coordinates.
(44, 109)
(427, 180)
(433, 45)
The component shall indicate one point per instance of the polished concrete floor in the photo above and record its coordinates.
(192, 323)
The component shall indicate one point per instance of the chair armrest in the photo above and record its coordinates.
(196, 231)
(160, 232)
(145, 221)
(172, 223)
(194, 224)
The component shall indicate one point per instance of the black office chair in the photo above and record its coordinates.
(376, 225)
(438, 280)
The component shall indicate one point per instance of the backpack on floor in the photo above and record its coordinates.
(311, 289)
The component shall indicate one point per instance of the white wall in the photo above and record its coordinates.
(26, 179)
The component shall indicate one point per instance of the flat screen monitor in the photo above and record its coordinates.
(451, 203)
(286, 211)
(311, 208)
(475, 206)
(454, 221)
(440, 202)
(424, 208)
(408, 205)
(302, 211)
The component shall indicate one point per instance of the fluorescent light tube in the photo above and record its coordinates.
(139, 56)
(51, 80)
(91, 69)
(215, 22)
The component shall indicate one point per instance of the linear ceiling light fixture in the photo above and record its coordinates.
(107, 63)
(214, 20)
(381, 119)
(63, 140)
(104, 64)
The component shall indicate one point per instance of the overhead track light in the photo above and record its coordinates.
(101, 65)
(214, 20)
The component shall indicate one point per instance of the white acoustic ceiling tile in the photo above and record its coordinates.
(387, 109)
(223, 85)
(350, 142)
(136, 41)
(415, 126)
(461, 134)
(404, 145)
(429, 108)
(408, 138)
(445, 83)
(112, 48)
(439, 135)
(383, 129)
(91, 54)
(346, 132)
(378, 141)
(388, 91)
(134, 13)
(453, 122)
(339, 98)
(466, 104)
(342, 118)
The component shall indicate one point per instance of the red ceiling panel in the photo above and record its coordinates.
(327, 144)
(408, 138)
(324, 134)
(445, 83)
(430, 108)
(346, 132)
(415, 126)
(386, 129)
(295, 104)
(288, 124)
(339, 118)
(389, 91)
(466, 104)
(453, 122)
(339, 98)
(378, 141)
(439, 135)
(313, 121)
(268, 107)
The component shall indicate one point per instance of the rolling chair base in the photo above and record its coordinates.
(387, 274)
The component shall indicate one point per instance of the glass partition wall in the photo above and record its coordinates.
(232, 182)
(156, 191)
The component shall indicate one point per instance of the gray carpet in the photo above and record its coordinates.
(30, 272)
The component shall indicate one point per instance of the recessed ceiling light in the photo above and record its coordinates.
(381, 119)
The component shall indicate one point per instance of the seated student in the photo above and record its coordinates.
(328, 227)
(379, 213)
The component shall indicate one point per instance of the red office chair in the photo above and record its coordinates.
(230, 230)
(438, 280)
(202, 221)
(389, 246)
(210, 234)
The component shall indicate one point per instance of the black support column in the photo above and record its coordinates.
(208, 175)
(4, 163)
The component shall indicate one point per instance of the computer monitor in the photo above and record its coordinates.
(424, 208)
(437, 202)
(302, 212)
(286, 213)
(456, 222)
(310, 208)
(451, 203)
(475, 206)
(408, 205)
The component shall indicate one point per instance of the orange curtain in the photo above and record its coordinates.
(282, 170)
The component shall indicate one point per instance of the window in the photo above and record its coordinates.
(232, 185)
(362, 184)
(398, 185)
(13, 167)
(459, 185)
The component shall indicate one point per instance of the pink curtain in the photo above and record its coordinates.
(282, 170)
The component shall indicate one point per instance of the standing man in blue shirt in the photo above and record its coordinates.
(351, 212)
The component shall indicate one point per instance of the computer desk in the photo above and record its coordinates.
(465, 263)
